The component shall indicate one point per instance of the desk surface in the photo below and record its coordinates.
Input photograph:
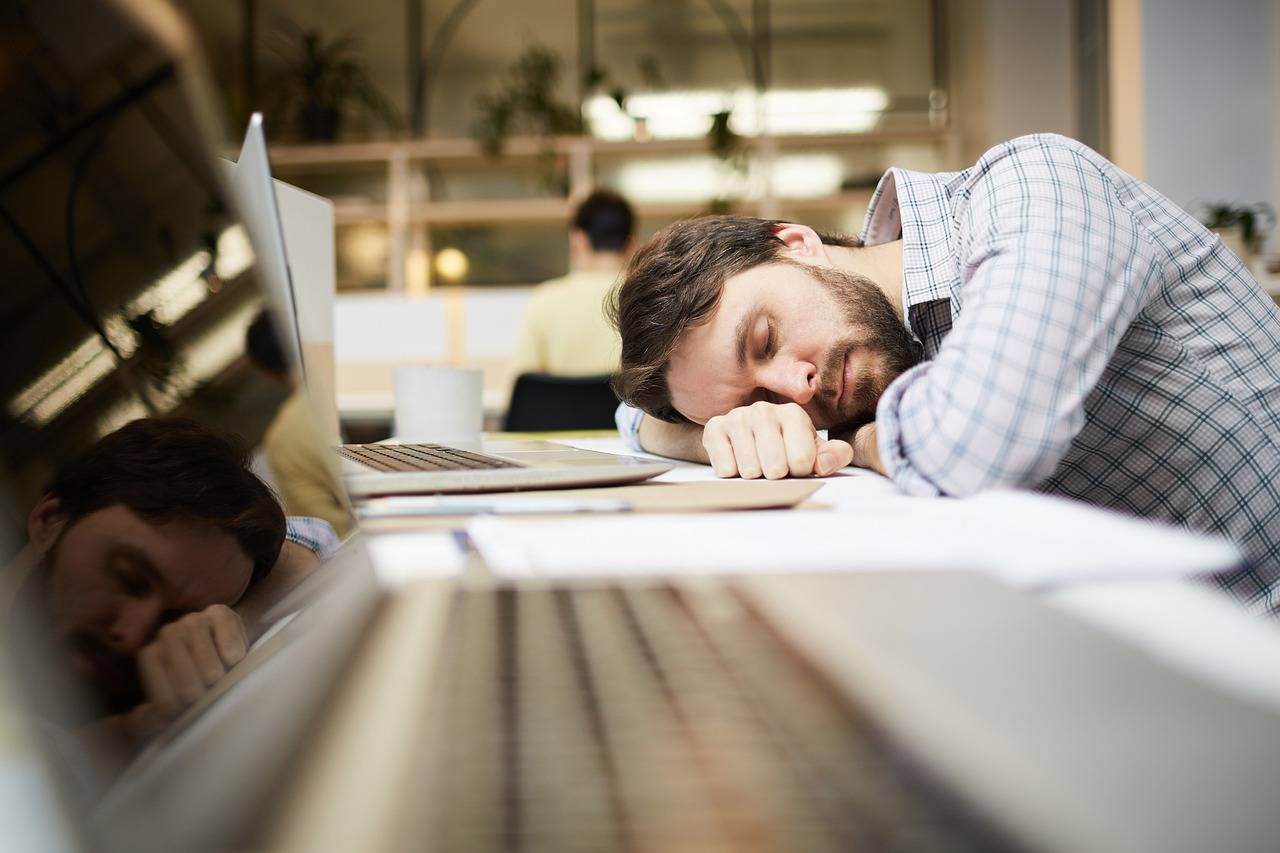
(1186, 623)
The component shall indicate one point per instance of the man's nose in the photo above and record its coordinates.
(796, 381)
(135, 625)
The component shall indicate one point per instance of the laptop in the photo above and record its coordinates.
(400, 468)
(903, 711)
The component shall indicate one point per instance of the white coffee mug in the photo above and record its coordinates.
(439, 405)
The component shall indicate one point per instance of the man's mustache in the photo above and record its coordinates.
(115, 675)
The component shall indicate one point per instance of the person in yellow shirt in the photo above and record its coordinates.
(565, 331)
(299, 462)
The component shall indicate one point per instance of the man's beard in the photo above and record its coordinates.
(879, 333)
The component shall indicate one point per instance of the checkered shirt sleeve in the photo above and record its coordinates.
(313, 533)
(628, 418)
(1053, 269)
(1088, 338)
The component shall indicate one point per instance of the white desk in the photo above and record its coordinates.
(1189, 624)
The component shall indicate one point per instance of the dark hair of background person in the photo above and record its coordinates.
(263, 347)
(673, 283)
(607, 220)
(169, 469)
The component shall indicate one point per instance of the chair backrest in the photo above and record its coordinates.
(541, 402)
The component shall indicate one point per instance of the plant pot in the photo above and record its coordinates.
(318, 123)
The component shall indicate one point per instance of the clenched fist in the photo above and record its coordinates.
(187, 657)
(773, 441)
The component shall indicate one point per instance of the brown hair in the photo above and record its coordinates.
(171, 468)
(673, 283)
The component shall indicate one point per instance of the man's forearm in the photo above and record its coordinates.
(678, 441)
(866, 449)
(295, 563)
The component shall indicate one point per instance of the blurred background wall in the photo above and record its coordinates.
(1210, 74)
(469, 128)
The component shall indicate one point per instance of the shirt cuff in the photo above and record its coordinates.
(893, 453)
(628, 420)
(312, 533)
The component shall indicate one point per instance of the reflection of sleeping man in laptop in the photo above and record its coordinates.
(140, 554)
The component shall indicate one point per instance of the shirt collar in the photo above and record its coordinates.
(916, 206)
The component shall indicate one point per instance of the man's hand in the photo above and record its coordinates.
(186, 658)
(770, 440)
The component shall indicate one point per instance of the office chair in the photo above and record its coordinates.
(541, 402)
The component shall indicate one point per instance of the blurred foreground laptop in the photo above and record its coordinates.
(396, 468)
(879, 712)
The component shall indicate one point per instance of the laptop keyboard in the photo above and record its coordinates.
(421, 457)
(648, 720)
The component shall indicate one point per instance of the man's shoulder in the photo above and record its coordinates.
(1037, 145)
(1017, 166)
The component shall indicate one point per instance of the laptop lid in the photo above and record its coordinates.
(251, 181)
(130, 280)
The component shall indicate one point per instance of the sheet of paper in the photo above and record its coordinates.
(400, 558)
(1026, 539)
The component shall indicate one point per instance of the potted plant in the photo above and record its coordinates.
(320, 80)
(526, 101)
(1241, 227)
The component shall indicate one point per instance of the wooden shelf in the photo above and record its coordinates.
(524, 147)
(559, 209)
(409, 223)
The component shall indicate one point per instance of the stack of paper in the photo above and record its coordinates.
(1026, 539)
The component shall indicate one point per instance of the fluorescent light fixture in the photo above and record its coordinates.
(235, 253)
(174, 295)
(806, 175)
(699, 179)
(687, 115)
(685, 179)
(214, 351)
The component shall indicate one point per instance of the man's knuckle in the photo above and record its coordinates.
(802, 461)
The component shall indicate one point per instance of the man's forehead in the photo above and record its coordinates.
(194, 560)
(206, 563)
(704, 372)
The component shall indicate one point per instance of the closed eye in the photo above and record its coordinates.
(769, 344)
(133, 583)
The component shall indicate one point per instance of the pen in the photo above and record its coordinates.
(427, 506)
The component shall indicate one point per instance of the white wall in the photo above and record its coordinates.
(1013, 71)
(1210, 89)
(1030, 68)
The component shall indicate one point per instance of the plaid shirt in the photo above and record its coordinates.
(313, 533)
(1085, 337)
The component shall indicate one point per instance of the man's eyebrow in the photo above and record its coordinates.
(140, 560)
(743, 332)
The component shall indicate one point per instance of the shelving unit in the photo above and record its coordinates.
(405, 187)
(410, 212)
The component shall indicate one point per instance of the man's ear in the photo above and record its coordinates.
(802, 244)
(45, 523)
